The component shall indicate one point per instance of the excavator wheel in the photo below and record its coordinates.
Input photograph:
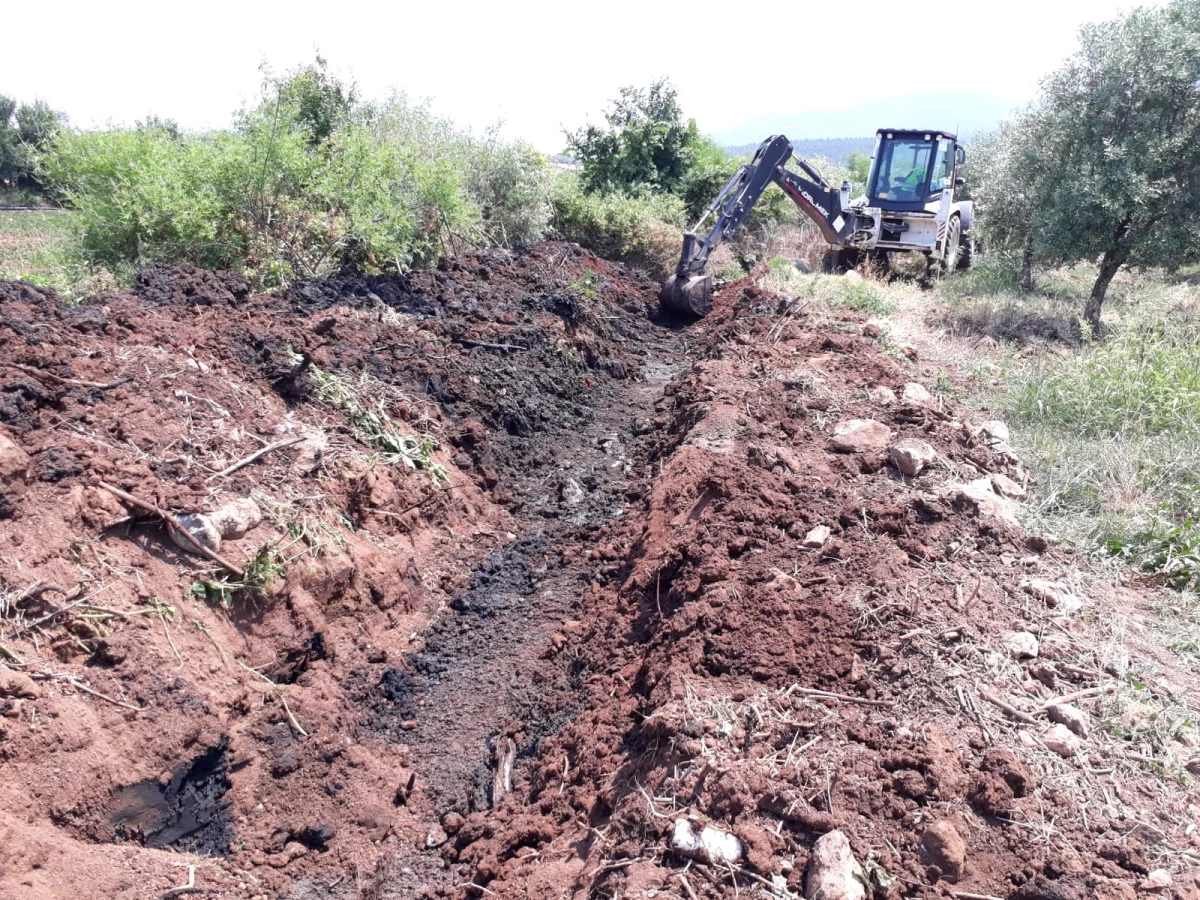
(688, 296)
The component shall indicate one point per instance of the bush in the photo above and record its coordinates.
(306, 182)
(645, 231)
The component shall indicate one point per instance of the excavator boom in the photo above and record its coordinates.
(689, 292)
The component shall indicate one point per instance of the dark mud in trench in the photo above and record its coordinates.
(489, 672)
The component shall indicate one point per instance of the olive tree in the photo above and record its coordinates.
(1106, 166)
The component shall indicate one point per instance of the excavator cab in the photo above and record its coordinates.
(911, 169)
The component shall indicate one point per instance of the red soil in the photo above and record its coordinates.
(614, 589)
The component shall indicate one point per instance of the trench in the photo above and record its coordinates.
(484, 674)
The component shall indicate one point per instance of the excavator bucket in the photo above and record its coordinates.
(688, 296)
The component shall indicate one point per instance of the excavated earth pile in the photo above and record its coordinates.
(513, 590)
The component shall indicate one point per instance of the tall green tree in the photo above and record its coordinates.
(1107, 165)
(26, 129)
(646, 143)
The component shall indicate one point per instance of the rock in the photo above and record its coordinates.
(1006, 487)
(833, 873)
(987, 500)
(1193, 766)
(1071, 716)
(860, 435)
(816, 538)
(435, 837)
(1060, 740)
(943, 846)
(704, 842)
(201, 528)
(852, 275)
(310, 452)
(1054, 594)
(19, 685)
(995, 431)
(912, 455)
(571, 492)
(915, 393)
(884, 396)
(871, 330)
(14, 462)
(1157, 880)
(234, 519)
(1020, 644)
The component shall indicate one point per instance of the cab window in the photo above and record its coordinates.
(902, 169)
(943, 165)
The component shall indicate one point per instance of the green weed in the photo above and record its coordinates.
(375, 426)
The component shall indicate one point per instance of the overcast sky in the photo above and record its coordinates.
(537, 66)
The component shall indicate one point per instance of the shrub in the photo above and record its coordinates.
(644, 231)
(306, 182)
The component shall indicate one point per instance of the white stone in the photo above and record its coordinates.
(1055, 594)
(912, 455)
(1157, 880)
(234, 519)
(1061, 740)
(833, 872)
(884, 396)
(816, 538)
(996, 430)
(989, 502)
(705, 842)
(1020, 644)
(201, 528)
(1071, 716)
(915, 393)
(851, 275)
(1006, 487)
(571, 492)
(860, 435)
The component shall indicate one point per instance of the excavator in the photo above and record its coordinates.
(909, 206)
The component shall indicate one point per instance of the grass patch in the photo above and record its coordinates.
(865, 296)
(1115, 434)
(33, 247)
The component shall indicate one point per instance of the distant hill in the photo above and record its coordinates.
(836, 150)
(970, 112)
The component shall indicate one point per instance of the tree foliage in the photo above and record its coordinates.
(1107, 164)
(646, 143)
(25, 130)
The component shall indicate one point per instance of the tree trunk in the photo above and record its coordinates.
(1112, 261)
(1027, 265)
(1114, 258)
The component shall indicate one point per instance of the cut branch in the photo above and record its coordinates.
(1008, 708)
(174, 523)
(258, 454)
(72, 382)
(844, 698)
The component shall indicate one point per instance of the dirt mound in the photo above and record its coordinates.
(528, 580)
